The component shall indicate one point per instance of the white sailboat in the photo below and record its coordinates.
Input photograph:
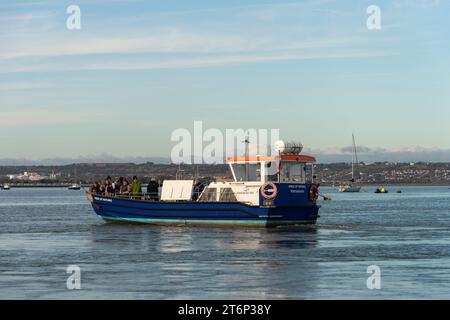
(75, 186)
(352, 186)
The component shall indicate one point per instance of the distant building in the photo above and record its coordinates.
(54, 176)
(27, 176)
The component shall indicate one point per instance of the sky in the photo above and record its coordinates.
(138, 70)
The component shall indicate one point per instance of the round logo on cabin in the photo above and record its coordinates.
(269, 190)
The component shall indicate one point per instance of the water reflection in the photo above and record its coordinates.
(168, 239)
(294, 238)
(187, 262)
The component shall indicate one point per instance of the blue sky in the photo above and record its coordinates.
(137, 70)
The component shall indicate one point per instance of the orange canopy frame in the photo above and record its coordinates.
(284, 157)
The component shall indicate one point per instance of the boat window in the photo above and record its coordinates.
(208, 195)
(227, 195)
(272, 171)
(247, 172)
(292, 172)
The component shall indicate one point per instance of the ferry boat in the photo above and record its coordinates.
(266, 191)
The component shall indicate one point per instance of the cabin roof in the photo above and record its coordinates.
(284, 157)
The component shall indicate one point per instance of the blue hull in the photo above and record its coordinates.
(124, 210)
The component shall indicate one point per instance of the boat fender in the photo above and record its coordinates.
(269, 190)
(313, 193)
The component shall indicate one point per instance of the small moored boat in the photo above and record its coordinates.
(6, 187)
(74, 186)
(352, 186)
(381, 190)
(266, 191)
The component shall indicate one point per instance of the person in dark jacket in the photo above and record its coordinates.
(110, 186)
(153, 189)
(118, 185)
(199, 186)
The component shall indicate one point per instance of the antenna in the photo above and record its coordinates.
(279, 147)
(246, 155)
(196, 172)
(179, 173)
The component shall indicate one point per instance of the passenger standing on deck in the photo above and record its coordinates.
(118, 185)
(110, 186)
(102, 189)
(136, 187)
(152, 189)
(198, 189)
(96, 188)
(125, 187)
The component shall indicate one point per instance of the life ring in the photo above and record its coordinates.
(313, 193)
(269, 190)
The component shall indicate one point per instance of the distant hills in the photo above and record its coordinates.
(365, 154)
(104, 158)
(371, 155)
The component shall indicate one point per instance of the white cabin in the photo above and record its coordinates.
(250, 173)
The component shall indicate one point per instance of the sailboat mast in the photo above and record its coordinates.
(354, 156)
(354, 148)
(353, 163)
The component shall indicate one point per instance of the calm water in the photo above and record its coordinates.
(407, 235)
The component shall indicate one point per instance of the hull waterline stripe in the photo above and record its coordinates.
(218, 222)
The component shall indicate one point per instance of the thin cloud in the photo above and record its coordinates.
(33, 117)
(417, 3)
(18, 4)
(27, 17)
(201, 62)
(24, 86)
(163, 41)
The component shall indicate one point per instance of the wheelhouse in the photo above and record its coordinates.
(286, 168)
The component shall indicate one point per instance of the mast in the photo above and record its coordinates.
(247, 171)
(179, 173)
(354, 148)
(196, 172)
(354, 157)
(353, 160)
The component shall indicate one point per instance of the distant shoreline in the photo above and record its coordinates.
(376, 174)
(394, 185)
